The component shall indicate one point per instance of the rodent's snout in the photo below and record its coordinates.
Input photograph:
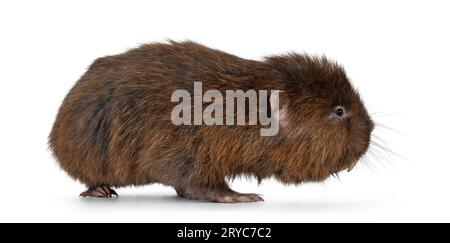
(361, 140)
(371, 126)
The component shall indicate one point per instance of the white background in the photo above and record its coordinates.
(396, 53)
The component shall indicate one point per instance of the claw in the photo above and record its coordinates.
(99, 191)
(113, 192)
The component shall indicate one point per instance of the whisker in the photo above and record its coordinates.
(384, 152)
(381, 125)
(376, 138)
(389, 151)
(368, 164)
(381, 115)
(379, 156)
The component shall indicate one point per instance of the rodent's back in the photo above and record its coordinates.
(114, 125)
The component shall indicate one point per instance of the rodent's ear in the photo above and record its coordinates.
(289, 65)
(281, 63)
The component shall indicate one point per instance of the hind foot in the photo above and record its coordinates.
(236, 197)
(99, 191)
(220, 195)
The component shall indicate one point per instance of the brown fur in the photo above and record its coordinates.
(114, 126)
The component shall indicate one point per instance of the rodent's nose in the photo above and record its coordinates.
(371, 125)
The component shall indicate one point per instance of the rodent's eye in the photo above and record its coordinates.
(339, 112)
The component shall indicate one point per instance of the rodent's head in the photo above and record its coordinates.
(322, 114)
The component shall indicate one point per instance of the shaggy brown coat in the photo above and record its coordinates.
(114, 126)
